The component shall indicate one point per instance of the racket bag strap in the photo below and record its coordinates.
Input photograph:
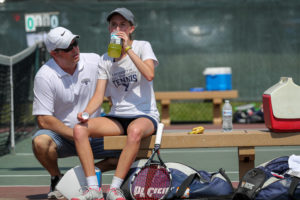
(186, 183)
(222, 172)
(293, 186)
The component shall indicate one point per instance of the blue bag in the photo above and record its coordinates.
(272, 180)
(188, 183)
(203, 184)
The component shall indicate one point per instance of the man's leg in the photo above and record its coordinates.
(44, 146)
(44, 149)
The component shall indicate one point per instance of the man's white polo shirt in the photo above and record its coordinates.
(62, 95)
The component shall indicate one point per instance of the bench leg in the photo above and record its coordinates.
(217, 116)
(246, 160)
(165, 112)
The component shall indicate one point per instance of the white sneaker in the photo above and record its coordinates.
(115, 194)
(90, 194)
(55, 194)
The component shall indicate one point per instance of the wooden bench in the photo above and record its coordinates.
(244, 140)
(217, 97)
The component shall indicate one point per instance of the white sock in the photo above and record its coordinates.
(116, 182)
(92, 182)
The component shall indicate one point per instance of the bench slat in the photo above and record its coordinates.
(239, 138)
(181, 95)
(186, 95)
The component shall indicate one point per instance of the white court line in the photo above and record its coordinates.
(23, 186)
(22, 175)
(38, 175)
(24, 154)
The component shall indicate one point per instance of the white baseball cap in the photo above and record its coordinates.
(59, 38)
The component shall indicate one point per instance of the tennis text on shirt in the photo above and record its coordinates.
(124, 78)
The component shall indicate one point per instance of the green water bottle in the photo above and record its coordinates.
(115, 46)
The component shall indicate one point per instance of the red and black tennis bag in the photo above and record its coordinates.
(272, 180)
(188, 183)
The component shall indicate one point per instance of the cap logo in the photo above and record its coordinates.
(63, 33)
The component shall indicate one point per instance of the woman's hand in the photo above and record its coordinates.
(125, 39)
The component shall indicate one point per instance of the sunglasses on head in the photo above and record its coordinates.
(70, 48)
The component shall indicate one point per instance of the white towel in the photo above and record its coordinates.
(294, 163)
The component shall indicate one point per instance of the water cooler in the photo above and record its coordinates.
(281, 105)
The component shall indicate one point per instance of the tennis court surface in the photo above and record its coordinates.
(22, 177)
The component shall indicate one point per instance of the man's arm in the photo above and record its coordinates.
(97, 99)
(52, 123)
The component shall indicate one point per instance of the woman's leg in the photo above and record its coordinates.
(138, 129)
(95, 127)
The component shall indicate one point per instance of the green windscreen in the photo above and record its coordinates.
(258, 39)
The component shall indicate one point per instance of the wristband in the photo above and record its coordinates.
(127, 48)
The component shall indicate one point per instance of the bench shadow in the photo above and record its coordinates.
(279, 135)
(146, 142)
(37, 196)
(283, 135)
(143, 153)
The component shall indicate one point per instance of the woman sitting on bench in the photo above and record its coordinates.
(127, 80)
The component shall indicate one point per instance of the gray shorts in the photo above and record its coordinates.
(66, 148)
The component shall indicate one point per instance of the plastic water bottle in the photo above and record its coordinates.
(85, 115)
(115, 46)
(102, 112)
(227, 117)
(99, 176)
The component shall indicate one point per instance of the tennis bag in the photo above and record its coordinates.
(272, 180)
(188, 183)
